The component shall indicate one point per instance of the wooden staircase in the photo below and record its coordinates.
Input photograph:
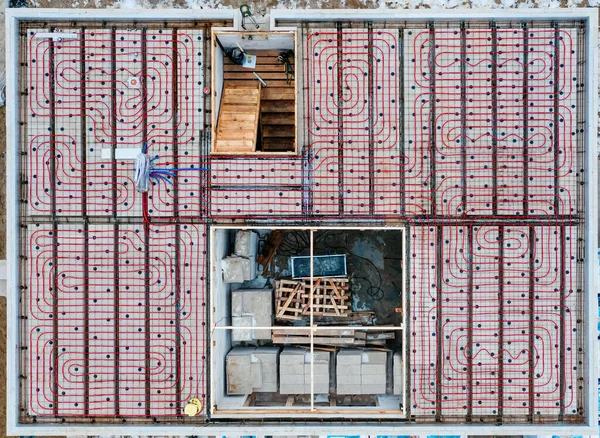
(278, 119)
(237, 127)
(277, 108)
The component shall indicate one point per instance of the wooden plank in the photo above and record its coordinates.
(260, 60)
(265, 75)
(304, 331)
(278, 144)
(274, 93)
(235, 117)
(257, 113)
(270, 83)
(283, 106)
(232, 146)
(259, 68)
(232, 134)
(289, 300)
(278, 119)
(239, 108)
(241, 94)
(380, 336)
(238, 125)
(317, 340)
(238, 99)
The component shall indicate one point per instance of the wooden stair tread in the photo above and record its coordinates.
(237, 108)
(259, 68)
(278, 131)
(250, 75)
(278, 119)
(278, 106)
(277, 144)
(234, 146)
(275, 83)
(237, 117)
(274, 93)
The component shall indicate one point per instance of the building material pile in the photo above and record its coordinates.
(295, 371)
(347, 337)
(330, 297)
(251, 370)
(251, 308)
(361, 372)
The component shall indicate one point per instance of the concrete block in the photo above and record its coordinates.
(285, 388)
(238, 372)
(291, 379)
(236, 304)
(256, 367)
(269, 387)
(267, 357)
(398, 374)
(290, 356)
(291, 370)
(319, 389)
(374, 379)
(372, 389)
(239, 335)
(349, 357)
(319, 356)
(373, 369)
(246, 244)
(348, 371)
(319, 379)
(235, 269)
(345, 389)
(256, 375)
(320, 368)
(255, 305)
(374, 357)
(250, 269)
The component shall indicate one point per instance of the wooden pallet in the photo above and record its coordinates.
(290, 299)
(330, 297)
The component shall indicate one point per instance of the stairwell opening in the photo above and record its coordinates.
(254, 93)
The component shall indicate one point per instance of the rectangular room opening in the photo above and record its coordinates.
(254, 93)
(307, 321)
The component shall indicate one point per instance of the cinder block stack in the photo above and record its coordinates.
(251, 308)
(251, 370)
(241, 265)
(295, 375)
(361, 372)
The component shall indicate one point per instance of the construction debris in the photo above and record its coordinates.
(269, 249)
